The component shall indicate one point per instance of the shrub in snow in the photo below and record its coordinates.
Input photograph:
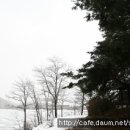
(98, 106)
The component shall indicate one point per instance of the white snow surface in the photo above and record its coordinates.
(52, 125)
(11, 119)
(49, 126)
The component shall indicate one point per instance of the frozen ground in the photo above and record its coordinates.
(53, 125)
(12, 119)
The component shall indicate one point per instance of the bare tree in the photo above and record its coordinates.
(62, 100)
(81, 99)
(52, 80)
(46, 97)
(21, 95)
(36, 101)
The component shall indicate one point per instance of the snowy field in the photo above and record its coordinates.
(12, 119)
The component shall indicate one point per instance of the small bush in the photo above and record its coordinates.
(28, 126)
(99, 107)
(119, 113)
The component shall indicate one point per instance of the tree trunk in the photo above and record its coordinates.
(82, 105)
(40, 111)
(38, 116)
(62, 108)
(55, 105)
(47, 113)
(25, 123)
(61, 111)
(47, 110)
(37, 108)
(52, 109)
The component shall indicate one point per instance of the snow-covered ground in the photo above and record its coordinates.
(52, 125)
(48, 125)
(13, 119)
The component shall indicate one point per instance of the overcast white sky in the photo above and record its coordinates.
(31, 31)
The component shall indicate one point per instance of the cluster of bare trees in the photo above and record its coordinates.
(51, 83)
(24, 92)
(46, 93)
